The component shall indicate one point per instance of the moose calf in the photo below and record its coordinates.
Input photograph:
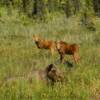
(70, 49)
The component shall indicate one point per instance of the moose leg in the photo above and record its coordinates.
(62, 58)
(76, 57)
(52, 51)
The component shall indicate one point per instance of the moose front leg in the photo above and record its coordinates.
(52, 51)
(62, 58)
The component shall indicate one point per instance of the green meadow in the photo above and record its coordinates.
(19, 55)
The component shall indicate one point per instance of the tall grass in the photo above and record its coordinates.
(19, 55)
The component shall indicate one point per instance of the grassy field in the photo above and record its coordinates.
(19, 55)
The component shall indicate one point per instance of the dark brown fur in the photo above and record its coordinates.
(54, 74)
(70, 49)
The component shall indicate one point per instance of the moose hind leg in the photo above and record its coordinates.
(76, 57)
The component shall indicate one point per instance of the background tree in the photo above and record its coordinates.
(40, 8)
(96, 5)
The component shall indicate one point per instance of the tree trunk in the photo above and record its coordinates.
(96, 6)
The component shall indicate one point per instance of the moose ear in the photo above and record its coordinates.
(50, 67)
(33, 37)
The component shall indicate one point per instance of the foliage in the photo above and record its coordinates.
(42, 7)
(19, 55)
(53, 20)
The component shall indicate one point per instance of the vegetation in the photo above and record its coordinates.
(56, 21)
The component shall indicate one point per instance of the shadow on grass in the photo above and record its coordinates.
(68, 63)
